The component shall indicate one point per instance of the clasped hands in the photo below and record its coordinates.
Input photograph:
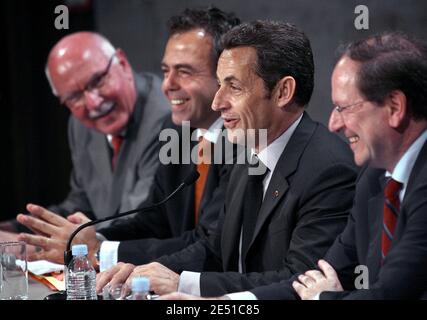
(314, 282)
(162, 279)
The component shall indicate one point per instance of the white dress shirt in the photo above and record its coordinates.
(404, 166)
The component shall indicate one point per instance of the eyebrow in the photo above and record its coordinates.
(179, 66)
(96, 75)
(229, 79)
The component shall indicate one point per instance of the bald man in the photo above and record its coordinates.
(116, 116)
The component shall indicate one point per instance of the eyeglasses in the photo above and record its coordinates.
(340, 109)
(95, 83)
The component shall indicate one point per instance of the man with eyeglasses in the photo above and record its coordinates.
(116, 116)
(379, 86)
(282, 220)
(189, 84)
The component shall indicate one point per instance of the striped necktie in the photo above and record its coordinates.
(391, 214)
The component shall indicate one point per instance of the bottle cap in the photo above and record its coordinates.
(79, 250)
(140, 284)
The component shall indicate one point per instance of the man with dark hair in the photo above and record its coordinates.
(282, 221)
(189, 84)
(380, 88)
(380, 96)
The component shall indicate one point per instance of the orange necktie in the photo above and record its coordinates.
(116, 141)
(202, 169)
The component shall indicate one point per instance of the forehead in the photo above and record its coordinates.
(194, 46)
(70, 68)
(344, 80)
(238, 62)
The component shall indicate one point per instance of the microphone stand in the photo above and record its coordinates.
(61, 295)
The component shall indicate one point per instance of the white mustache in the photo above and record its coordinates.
(102, 110)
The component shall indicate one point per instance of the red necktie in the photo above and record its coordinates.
(202, 169)
(116, 142)
(391, 214)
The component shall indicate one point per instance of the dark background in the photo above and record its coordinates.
(35, 158)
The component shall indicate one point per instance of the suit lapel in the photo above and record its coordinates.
(130, 150)
(100, 155)
(286, 166)
(232, 224)
(375, 221)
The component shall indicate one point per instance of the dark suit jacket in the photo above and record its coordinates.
(96, 189)
(171, 227)
(403, 273)
(314, 180)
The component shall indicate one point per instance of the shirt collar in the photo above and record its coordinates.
(110, 136)
(270, 155)
(212, 133)
(404, 166)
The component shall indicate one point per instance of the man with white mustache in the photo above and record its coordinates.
(190, 84)
(108, 103)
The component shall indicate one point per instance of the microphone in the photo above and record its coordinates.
(189, 180)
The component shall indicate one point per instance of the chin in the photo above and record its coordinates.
(235, 137)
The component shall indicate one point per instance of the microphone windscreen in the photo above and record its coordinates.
(191, 178)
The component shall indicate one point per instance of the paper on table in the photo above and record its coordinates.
(54, 281)
(40, 267)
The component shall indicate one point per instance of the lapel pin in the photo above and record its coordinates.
(276, 193)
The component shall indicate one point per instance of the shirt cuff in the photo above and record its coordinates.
(316, 297)
(189, 282)
(108, 255)
(244, 295)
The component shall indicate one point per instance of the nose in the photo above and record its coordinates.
(219, 102)
(336, 122)
(92, 100)
(170, 81)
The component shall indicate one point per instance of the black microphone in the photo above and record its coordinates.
(189, 180)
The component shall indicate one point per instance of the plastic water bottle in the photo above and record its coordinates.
(140, 287)
(81, 276)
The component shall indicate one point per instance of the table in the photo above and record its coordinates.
(37, 290)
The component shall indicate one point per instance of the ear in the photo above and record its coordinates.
(396, 108)
(284, 91)
(123, 60)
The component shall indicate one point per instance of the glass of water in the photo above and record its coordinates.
(14, 272)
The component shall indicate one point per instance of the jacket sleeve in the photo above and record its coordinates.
(321, 214)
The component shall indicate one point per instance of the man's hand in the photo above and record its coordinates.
(52, 233)
(114, 276)
(162, 279)
(314, 282)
